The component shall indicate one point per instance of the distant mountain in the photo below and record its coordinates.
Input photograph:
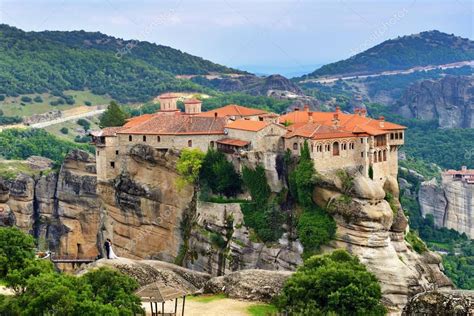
(128, 70)
(426, 48)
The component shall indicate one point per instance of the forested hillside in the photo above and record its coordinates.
(38, 62)
(426, 48)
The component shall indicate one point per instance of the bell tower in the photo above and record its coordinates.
(168, 102)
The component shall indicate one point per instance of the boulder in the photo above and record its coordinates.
(454, 303)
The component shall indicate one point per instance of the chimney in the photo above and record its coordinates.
(306, 108)
(192, 106)
(338, 109)
(335, 120)
(357, 111)
(363, 112)
(215, 115)
(310, 116)
(381, 121)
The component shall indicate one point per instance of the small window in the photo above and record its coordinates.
(361, 140)
(362, 154)
(116, 152)
(190, 143)
(158, 139)
(144, 138)
(112, 164)
(295, 146)
(401, 135)
(212, 144)
(391, 136)
(129, 138)
(98, 153)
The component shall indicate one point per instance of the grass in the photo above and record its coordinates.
(71, 126)
(12, 106)
(262, 310)
(207, 298)
(9, 169)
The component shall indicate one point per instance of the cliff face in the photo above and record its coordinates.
(449, 100)
(369, 228)
(58, 208)
(450, 202)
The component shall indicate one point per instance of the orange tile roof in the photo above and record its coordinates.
(351, 123)
(233, 110)
(233, 142)
(177, 124)
(106, 132)
(137, 120)
(247, 125)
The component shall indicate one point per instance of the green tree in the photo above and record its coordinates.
(315, 228)
(333, 283)
(17, 279)
(219, 175)
(302, 178)
(189, 165)
(113, 116)
(16, 249)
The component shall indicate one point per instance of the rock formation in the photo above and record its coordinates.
(449, 100)
(373, 229)
(455, 303)
(450, 202)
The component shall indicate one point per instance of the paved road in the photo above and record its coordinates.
(394, 72)
(67, 118)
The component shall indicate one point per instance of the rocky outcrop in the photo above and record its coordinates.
(451, 203)
(369, 227)
(142, 210)
(253, 285)
(453, 303)
(220, 243)
(449, 100)
(60, 209)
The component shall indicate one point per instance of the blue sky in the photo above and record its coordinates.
(264, 36)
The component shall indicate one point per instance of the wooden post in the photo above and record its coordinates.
(151, 306)
(156, 308)
(175, 306)
(184, 301)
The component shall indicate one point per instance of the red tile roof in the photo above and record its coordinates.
(233, 110)
(233, 142)
(248, 125)
(192, 101)
(177, 124)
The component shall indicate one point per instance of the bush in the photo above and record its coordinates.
(38, 99)
(82, 139)
(219, 175)
(16, 249)
(266, 221)
(315, 228)
(414, 240)
(64, 130)
(84, 123)
(256, 182)
(335, 283)
(189, 165)
(88, 103)
(2, 97)
(25, 99)
(302, 178)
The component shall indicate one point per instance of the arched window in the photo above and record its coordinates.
(335, 149)
(295, 146)
(144, 138)
(158, 139)
(129, 138)
(190, 143)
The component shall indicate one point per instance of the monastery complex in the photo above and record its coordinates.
(336, 139)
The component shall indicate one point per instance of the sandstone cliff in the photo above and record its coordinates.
(449, 100)
(450, 202)
(369, 227)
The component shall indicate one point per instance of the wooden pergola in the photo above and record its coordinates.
(155, 293)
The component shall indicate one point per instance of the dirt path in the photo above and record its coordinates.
(219, 307)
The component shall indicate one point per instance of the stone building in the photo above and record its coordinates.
(337, 140)
(340, 140)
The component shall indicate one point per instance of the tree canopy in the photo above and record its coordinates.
(333, 283)
(113, 116)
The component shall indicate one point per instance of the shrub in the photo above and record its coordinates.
(256, 182)
(346, 180)
(84, 123)
(335, 283)
(189, 165)
(38, 99)
(64, 130)
(414, 240)
(88, 103)
(16, 249)
(219, 175)
(25, 99)
(266, 222)
(2, 97)
(302, 179)
(315, 228)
